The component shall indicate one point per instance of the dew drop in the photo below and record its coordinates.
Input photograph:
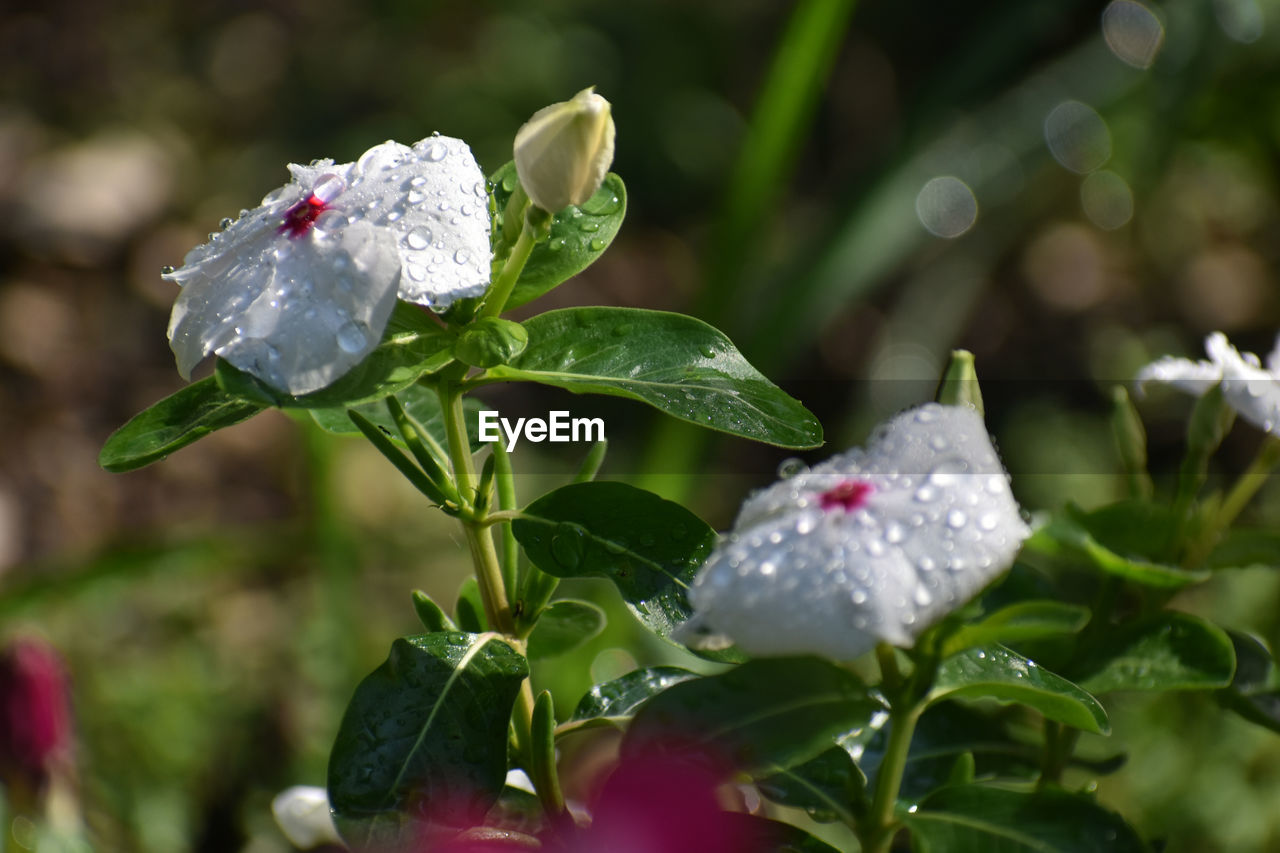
(596, 244)
(328, 187)
(225, 222)
(894, 533)
(461, 256)
(352, 337)
(416, 272)
(418, 238)
(167, 269)
(926, 494)
(330, 220)
(791, 467)
(589, 227)
(436, 151)
(556, 245)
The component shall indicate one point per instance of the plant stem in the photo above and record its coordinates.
(493, 591)
(881, 825)
(1253, 478)
(502, 286)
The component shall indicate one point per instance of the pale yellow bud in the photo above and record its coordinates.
(564, 151)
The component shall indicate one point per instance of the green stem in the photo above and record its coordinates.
(881, 825)
(500, 290)
(1253, 478)
(489, 578)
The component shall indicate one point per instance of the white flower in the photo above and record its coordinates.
(871, 545)
(299, 290)
(1248, 387)
(302, 813)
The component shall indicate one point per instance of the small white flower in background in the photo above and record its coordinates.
(302, 813)
(564, 151)
(1248, 387)
(872, 545)
(299, 290)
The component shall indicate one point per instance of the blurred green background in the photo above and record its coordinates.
(1068, 189)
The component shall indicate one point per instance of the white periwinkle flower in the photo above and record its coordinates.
(1248, 387)
(564, 151)
(299, 290)
(302, 813)
(871, 545)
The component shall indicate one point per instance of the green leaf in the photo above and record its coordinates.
(615, 702)
(1133, 528)
(998, 673)
(425, 737)
(1066, 541)
(763, 715)
(419, 401)
(542, 752)
(173, 423)
(578, 235)
(1169, 651)
(564, 626)
(469, 608)
(677, 364)
(649, 547)
(1244, 548)
(429, 613)
(412, 346)
(826, 787)
(773, 836)
(1253, 692)
(976, 817)
(1028, 620)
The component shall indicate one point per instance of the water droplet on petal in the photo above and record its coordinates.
(436, 151)
(352, 337)
(461, 256)
(328, 187)
(791, 467)
(418, 238)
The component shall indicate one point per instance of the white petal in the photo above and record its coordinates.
(302, 812)
(1190, 377)
(434, 198)
(938, 525)
(296, 312)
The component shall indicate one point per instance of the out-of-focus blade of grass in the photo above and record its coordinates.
(782, 117)
(783, 114)
(881, 230)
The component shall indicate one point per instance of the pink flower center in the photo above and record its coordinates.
(299, 218)
(848, 496)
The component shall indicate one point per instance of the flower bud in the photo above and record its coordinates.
(564, 151)
(35, 716)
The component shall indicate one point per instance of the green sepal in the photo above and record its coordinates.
(490, 341)
(430, 614)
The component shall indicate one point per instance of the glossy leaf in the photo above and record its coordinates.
(1244, 548)
(424, 739)
(1066, 541)
(615, 702)
(578, 235)
(976, 817)
(829, 787)
(677, 364)
(173, 423)
(564, 626)
(1028, 620)
(1133, 528)
(649, 547)
(774, 836)
(998, 673)
(1253, 693)
(763, 715)
(1170, 651)
(412, 345)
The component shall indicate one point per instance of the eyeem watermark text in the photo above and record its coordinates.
(557, 426)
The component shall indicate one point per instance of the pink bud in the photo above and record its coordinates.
(35, 719)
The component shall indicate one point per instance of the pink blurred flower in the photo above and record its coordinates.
(35, 717)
